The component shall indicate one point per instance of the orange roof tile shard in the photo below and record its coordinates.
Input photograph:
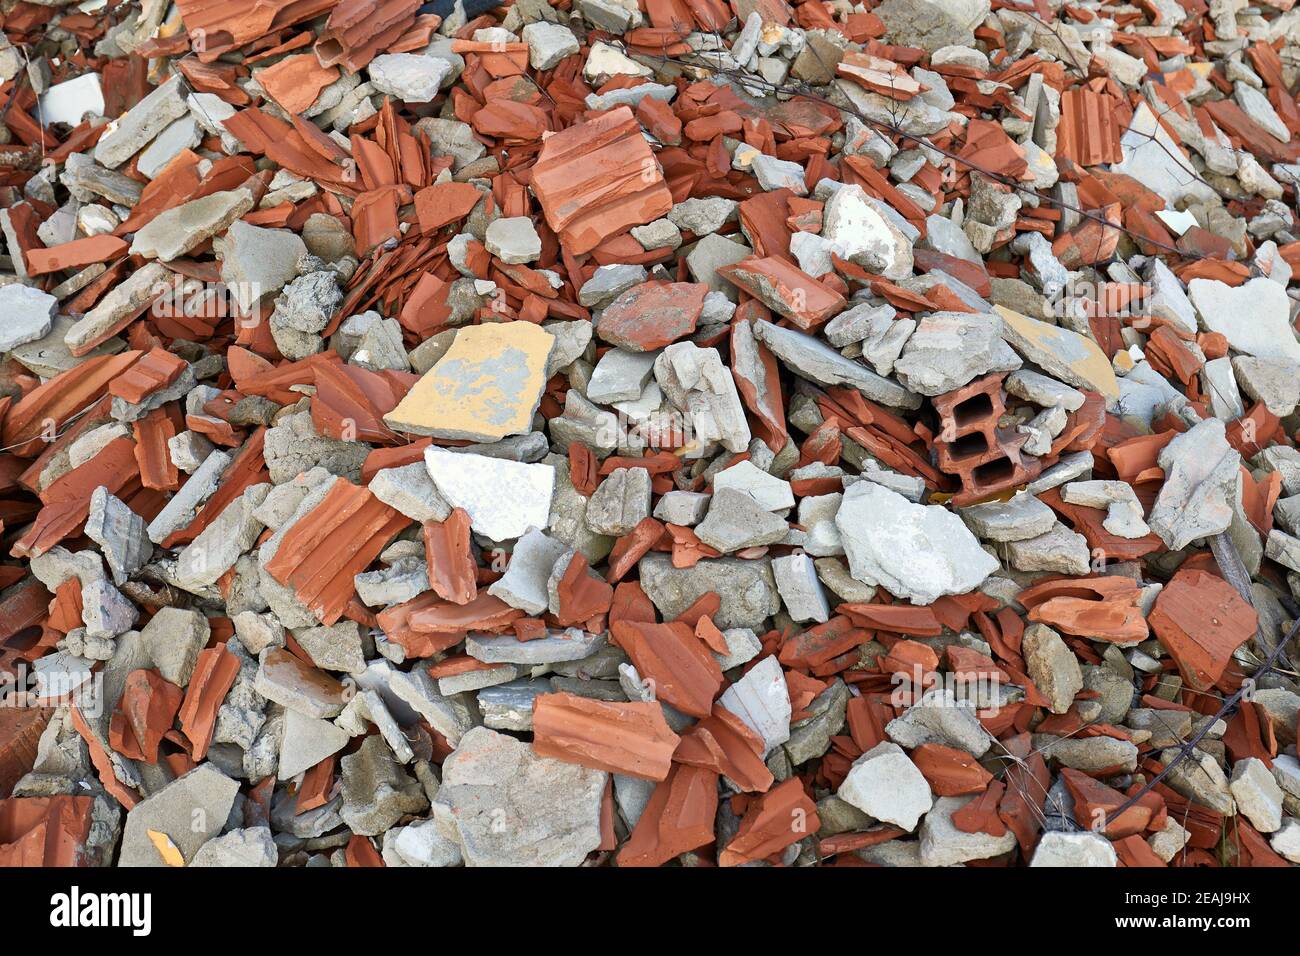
(628, 738)
(1200, 619)
(329, 546)
(685, 674)
(678, 818)
(780, 817)
(598, 179)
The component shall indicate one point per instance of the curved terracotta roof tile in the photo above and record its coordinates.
(628, 738)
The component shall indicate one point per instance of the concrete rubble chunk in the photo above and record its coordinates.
(1254, 316)
(812, 359)
(174, 638)
(1074, 849)
(939, 717)
(620, 502)
(916, 552)
(1052, 666)
(408, 76)
(505, 806)
(120, 533)
(306, 742)
(736, 521)
(762, 700)
(747, 588)
(377, 792)
(503, 498)
(247, 847)
(943, 844)
(884, 783)
(142, 123)
(1015, 519)
(187, 812)
(1258, 796)
(28, 315)
(862, 230)
(697, 384)
(531, 561)
(1202, 472)
(949, 349)
(183, 228)
(800, 589)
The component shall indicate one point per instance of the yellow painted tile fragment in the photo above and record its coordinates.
(485, 387)
(166, 848)
(1064, 354)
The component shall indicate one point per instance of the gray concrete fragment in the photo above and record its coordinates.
(181, 229)
(507, 807)
(747, 589)
(377, 792)
(189, 811)
(28, 315)
(736, 521)
(800, 590)
(1015, 519)
(132, 131)
(886, 785)
(572, 644)
(762, 701)
(939, 717)
(1202, 472)
(173, 638)
(916, 552)
(248, 847)
(120, 534)
(620, 502)
(818, 362)
(943, 844)
(1074, 849)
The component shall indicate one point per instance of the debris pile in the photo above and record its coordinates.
(689, 432)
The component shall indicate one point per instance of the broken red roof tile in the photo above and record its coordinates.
(74, 254)
(222, 26)
(296, 81)
(449, 556)
(1200, 619)
(321, 554)
(678, 818)
(59, 399)
(631, 547)
(214, 674)
(981, 815)
(1094, 802)
(1101, 608)
(357, 30)
(949, 771)
(786, 289)
(583, 595)
(652, 315)
(445, 203)
(723, 743)
(597, 179)
(684, 673)
(45, 831)
(317, 783)
(780, 817)
(145, 714)
(155, 370)
(628, 738)
(20, 734)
